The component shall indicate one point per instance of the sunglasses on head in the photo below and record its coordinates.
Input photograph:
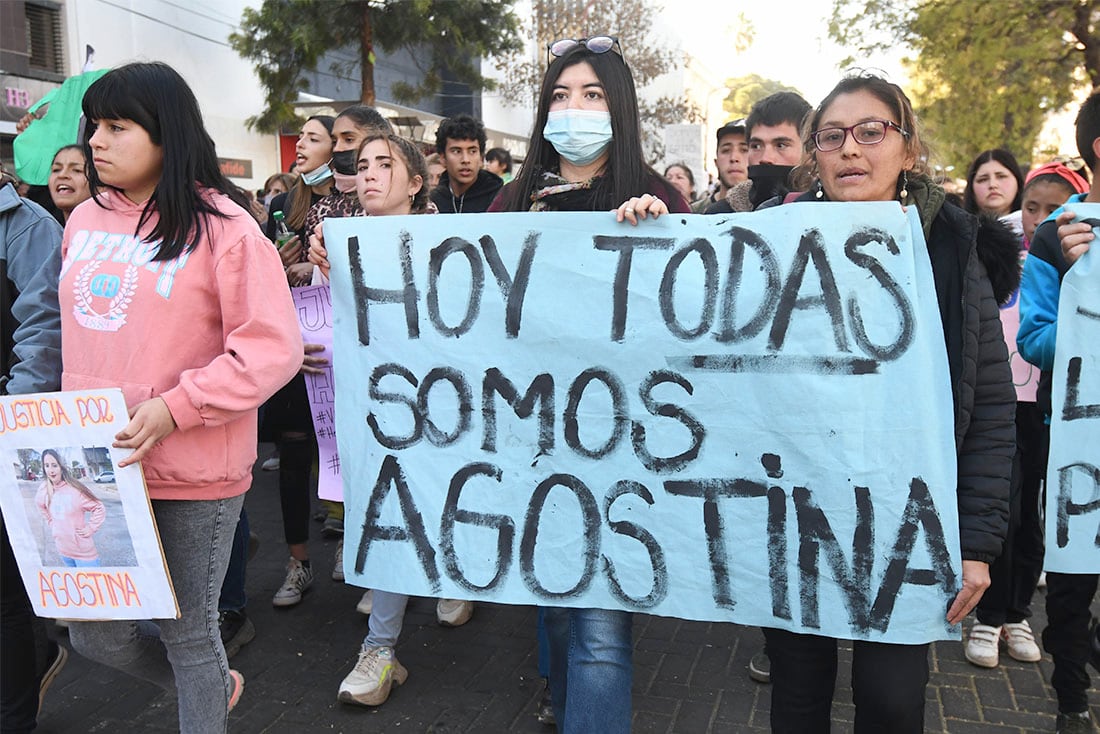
(595, 44)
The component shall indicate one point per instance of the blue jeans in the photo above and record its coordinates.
(77, 563)
(233, 598)
(387, 617)
(186, 654)
(591, 668)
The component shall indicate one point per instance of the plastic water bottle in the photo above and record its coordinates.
(282, 232)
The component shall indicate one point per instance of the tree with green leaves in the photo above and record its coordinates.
(630, 21)
(745, 91)
(983, 75)
(286, 38)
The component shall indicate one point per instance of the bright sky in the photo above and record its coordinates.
(791, 41)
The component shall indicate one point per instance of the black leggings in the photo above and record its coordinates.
(1016, 571)
(888, 683)
(1066, 637)
(25, 644)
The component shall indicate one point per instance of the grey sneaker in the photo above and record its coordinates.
(298, 579)
(1073, 723)
(333, 527)
(760, 667)
(338, 563)
(237, 630)
(453, 612)
(374, 674)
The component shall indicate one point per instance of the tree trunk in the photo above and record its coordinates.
(366, 55)
(1090, 43)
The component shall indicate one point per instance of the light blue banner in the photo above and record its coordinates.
(1073, 469)
(744, 418)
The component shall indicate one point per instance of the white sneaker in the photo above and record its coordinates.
(338, 563)
(981, 646)
(271, 464)
(369, 682)
(1021, 642)
(453, 612)
(366, 604)
(298, 579)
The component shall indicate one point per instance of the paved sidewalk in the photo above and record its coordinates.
(688, 676)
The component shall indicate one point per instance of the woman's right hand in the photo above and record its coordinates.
(318, 255)
(1075, 238)
(313, 365)
(291, 251)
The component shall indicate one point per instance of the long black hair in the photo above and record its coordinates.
(300, 198)
(154, 96)
(1006, 159)
(626, 174)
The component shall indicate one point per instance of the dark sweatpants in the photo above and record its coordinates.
(1066, 636)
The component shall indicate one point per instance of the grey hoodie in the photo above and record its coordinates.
(30, 260)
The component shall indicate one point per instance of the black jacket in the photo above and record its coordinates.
(476, 198)
(964, 252)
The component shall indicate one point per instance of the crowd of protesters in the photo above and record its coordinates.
(150, 169)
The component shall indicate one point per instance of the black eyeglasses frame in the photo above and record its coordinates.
(887, 124)
(596, 44)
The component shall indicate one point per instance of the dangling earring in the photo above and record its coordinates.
(904, 193)
(820, 192)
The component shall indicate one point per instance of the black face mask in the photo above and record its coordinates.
(768, 181)
(343, 162)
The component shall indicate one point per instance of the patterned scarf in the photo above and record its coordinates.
(554, 193)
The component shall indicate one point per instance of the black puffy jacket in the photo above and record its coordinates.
(975, 266)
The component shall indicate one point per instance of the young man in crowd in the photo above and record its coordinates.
(499, 161)
(731, 160)
(775, 147)
(465, 187)
(1068, 636)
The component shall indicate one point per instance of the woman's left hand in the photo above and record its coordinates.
(300, 274)
(150, 423)
(84, 531)
(975, 582)
(640, 207)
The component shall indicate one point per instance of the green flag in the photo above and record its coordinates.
(35, 147)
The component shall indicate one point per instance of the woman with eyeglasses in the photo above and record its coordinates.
(864, 144)
(585, 154)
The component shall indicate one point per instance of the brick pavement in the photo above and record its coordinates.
(688, 676)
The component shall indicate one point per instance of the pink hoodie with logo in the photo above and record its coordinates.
(213, 332)
(67, 515)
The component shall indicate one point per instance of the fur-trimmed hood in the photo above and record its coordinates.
(999, 251)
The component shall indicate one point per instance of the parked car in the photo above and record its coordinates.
(107, 477)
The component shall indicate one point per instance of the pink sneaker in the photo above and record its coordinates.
(238, 688)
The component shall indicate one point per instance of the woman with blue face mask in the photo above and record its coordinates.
(312, 162)
(585, 154)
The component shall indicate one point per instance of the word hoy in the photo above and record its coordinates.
(732, 311)
(49, 412)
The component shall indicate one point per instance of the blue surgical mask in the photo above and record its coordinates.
(579, 136)
(317, 175)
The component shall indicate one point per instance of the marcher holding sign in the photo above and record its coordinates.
(585, 154)
(865, 145)
(1059, 320)
(390, 181)
(170, 291)
(1002, 613)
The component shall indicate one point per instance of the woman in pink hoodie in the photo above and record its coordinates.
(66, 505)
(170, 291)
